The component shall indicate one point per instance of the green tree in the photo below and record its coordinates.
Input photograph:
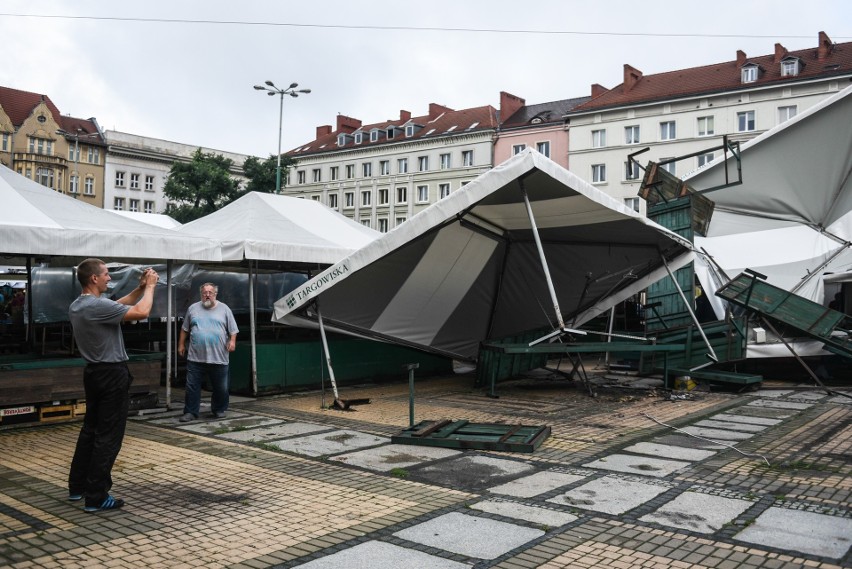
(262, 174)
(200, 187)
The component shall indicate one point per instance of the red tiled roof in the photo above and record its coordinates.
(722, 77)
(434, 125)
(20, 104)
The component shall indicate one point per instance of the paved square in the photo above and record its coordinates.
(334, 442)
(173, 418)
(684, 441)
(779, 404)
(644, 465)
(771, 392)
(473, 473)
(747, 419)
(280, 431)
(534, 514)
(388, 457)
(470, 535)
(732, 425)
(611, 495)
(380, 555)
(717, 434)
(535, 484)
(667, 451)
(229, 424)
(809, 396)
(797, 530)
(703, 513)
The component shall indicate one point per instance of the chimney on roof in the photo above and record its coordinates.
(825, 46)
(347, 124)
(435, 109)
(741, 58)
(631, 77)
(780, 53)
(509, 104)
(404, 116)
(598, 90)
(323, 130)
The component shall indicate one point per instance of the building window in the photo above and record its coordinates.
(443, 190)
(334, 173)
(359, 136)
(667, 130)
(316, 175)
(366, 198)
(789, 67)
(44, 176)
(118, 204)
(301, 177)
(632, 203)
(467, 157)
(94, 155)
(73, 153)
(598, 173)
(6, 139)
(669, 167)
(400, 221)
(422, 163)
(543, 148)
(598, 139)
(749, 74)
(705, 126)
(119, 179)
(332, 201)
(366, 169)
(350, 171)
(518, 148)
(445, 161)
(422, 194)
(631, 170)
(149, 183)
(401, 194)
(374, 135)
(384, 167)
(316, 198)
(133, 205)
(341, 139)
(409, 130)
(383, 224)
(631, 134)
(366, 222)
(89, 187)
(349, 199)
(383, 196)
(390, 132)
(74, 184)
(745, 121)
(402, 166)
(704, 159)
(149, 206)
(134, 181)
(786, 113)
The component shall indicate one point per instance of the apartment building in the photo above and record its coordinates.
(687, 111)
(61, 152)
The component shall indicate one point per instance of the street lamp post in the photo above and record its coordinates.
(272, 90)
(76, 157)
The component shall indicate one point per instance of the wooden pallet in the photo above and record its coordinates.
(51, 413)
(480, 436)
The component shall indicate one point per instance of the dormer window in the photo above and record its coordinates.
(790, 66)
(749, 73)
(359, 137)
(409, 130)
(374, 135)
(341, 139)
(389, 132)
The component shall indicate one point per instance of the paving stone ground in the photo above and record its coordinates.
(626, 479)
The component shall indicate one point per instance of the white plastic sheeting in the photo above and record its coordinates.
(467, 268)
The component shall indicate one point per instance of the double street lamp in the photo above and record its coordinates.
(272, 90)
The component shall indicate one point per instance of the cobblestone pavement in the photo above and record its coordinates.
(627, 479)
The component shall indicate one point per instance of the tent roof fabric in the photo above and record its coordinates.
(270, 227)
(156, 219)
(467, 268)
(36, 220)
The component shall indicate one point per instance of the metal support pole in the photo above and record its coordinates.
(280, 125)
(691, 312)
(327, 355)
(170, 320)
(253, 329)
(411, 368)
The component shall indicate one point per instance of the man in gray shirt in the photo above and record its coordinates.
(212, 332)
(96, 322)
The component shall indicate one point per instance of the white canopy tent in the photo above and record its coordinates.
(157, 219)
(469, 267)
(791, 218)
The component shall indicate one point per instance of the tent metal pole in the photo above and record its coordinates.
(170, 320)
(327, 355)
(253, 325)
(691, 312)
(544, 266)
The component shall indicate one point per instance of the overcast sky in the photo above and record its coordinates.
(183, 70)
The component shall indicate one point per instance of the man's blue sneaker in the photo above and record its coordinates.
(109, 504)
(75, 497)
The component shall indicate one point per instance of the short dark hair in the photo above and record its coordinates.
(86, 269)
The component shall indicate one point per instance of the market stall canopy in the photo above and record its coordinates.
(270, 227)
(36, 220)
(791, 218)
(157, 219)
(467, 268)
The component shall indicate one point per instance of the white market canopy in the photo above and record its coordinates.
(36, 220)
(791, 218)
(156, 219)
(467, 268)
(270, 227)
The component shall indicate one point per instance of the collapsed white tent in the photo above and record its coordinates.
(791, 218)
(36, 220)
(267, 227)
(468, 268)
